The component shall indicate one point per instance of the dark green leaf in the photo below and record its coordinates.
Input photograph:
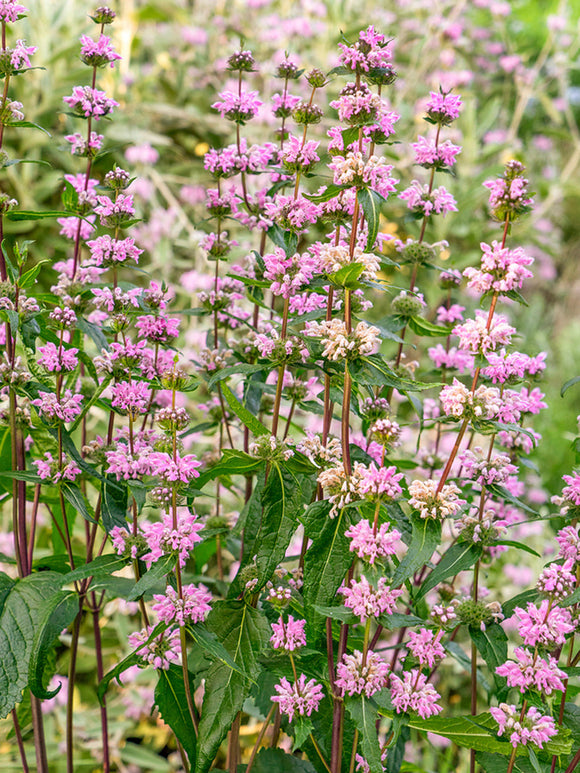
(102, 566)
(209, 642)
(250, 421)
(245, 634)
(510, 543)
(421, 327)
(502, 493)
(327, 561)
(153, 577)
(21, 214)
(348, 276)
(23, 609)
(171, 700)
(459, 557)
(232, 463)
(464, 731)
(114, 502)
(493, 647)
(570, 383)
(370, 202)
(277, 761)
(330, 192)
(426, 537)
(29, 278)
(73, 494)
(521, 600)
(243, 368)
(59, 612)
(364, 715)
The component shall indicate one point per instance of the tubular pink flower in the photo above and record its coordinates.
(288, 635)
(414, 693)
(354, 678)
(302, 697)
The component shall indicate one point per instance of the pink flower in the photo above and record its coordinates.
(174, 468)
(10, 11)
(486, 472)
(355, 678)
(161, 651)
(288, 274)
(90, 102)
(529, 671)
(420, 201)
(571, 492)
(569, 541)
(429, 155)
(443, 108)
(57, 359)
(158, 329)
(502, 269)
(425, 645)
(475, 337)
(117, 212)
(193, 607)
(80, 146)
(557, 581)
(70, 227)
(413, 693)
(21, 53)
(162, 538)
(97, 53)
(299, 156)
(454, 358)
(370, 546)
(503, 366)
(545, 625)
(446, 316)
(533, 728)
(131, 396)
(238, 107)
(288, 635)
(366, 601)
(49, 469)
(302, 697)
(66, 409)
(106, 251)
(380, 482)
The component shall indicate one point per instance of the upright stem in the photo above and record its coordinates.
(100, 675)
(19, 741)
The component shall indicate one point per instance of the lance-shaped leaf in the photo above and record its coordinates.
(468, 732)
(327, 561)
(59, 612)
(460, 556)
(244, 632)
(171, 700)
(370, 202)
(277, 761)
(114, 502)
(153, 577)
(22, 612)
(426, 537)
(492, 645)
(248, 419)
(364, 716)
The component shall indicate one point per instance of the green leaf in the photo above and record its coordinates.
(59, 612)
(101, 566)
(364, 715)
(326, 562)
(250, 421)
(232, 463)
(144, 758)
(114, 502)
(29, 278)
(171, 700)
(426, 536)
(282, 499)
(507, 496)
(397, 620)
(380, 374)
(22, 214)
(22, 612)
(153, 577)
(510, 543)
(73, 494)
(30, 124)
(370, 202)
(209, 642)
(343, 614)
(570, 383)
(244, 632)
(348, 276)
(521, 600)
(459, 557)
(493, 647)
(331, 192)
(243, 368)
(124, 664)
(421, 327)
(277, 761)
(464, 731)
